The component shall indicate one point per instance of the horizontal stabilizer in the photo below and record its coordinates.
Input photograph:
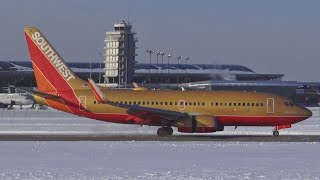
(37, 93)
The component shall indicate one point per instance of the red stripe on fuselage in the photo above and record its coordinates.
(258, 120)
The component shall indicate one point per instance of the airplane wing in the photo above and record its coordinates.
(134, 108)
(166, 114)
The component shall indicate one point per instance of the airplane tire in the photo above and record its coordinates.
(165, 131)
(169, 130)
(275, 133)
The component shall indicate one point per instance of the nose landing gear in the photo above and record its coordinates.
(165, 131)
(275, 131)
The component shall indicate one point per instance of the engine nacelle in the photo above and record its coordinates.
(199, 124)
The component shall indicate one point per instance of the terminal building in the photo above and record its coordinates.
(21, 73)
(194, 76)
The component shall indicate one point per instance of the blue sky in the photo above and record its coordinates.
(267, 36)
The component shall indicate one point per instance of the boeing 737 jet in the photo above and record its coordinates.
(189, 111)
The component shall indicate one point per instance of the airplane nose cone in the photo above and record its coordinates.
(307, 113)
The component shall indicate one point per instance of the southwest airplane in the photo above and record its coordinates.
(189, 111)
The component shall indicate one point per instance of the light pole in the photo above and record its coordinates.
(100, 56)
(90, 66)
(169, 56)
(187, 59)
(158, 53)
(150, 52)
(179, 57)
(162, 54)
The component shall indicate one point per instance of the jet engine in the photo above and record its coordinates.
(199, 124)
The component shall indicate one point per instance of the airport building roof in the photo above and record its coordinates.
(139, 67)
(144, 72)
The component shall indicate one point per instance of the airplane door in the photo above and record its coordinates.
(181, 105)
(82, 103)
(270, 105)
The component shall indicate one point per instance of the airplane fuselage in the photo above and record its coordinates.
(229, 108)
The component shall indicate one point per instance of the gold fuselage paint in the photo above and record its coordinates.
(194, 102)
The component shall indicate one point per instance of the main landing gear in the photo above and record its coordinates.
(165, 131)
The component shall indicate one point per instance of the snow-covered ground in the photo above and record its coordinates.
(53, 121)
(149, 160)
(158, 160)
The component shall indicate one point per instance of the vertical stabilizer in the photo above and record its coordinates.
(51, 72)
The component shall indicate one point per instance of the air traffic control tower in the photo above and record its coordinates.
(120, 54)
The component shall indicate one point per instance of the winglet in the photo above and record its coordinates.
(101, 98)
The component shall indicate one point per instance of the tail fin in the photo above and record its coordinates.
(51, 72)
